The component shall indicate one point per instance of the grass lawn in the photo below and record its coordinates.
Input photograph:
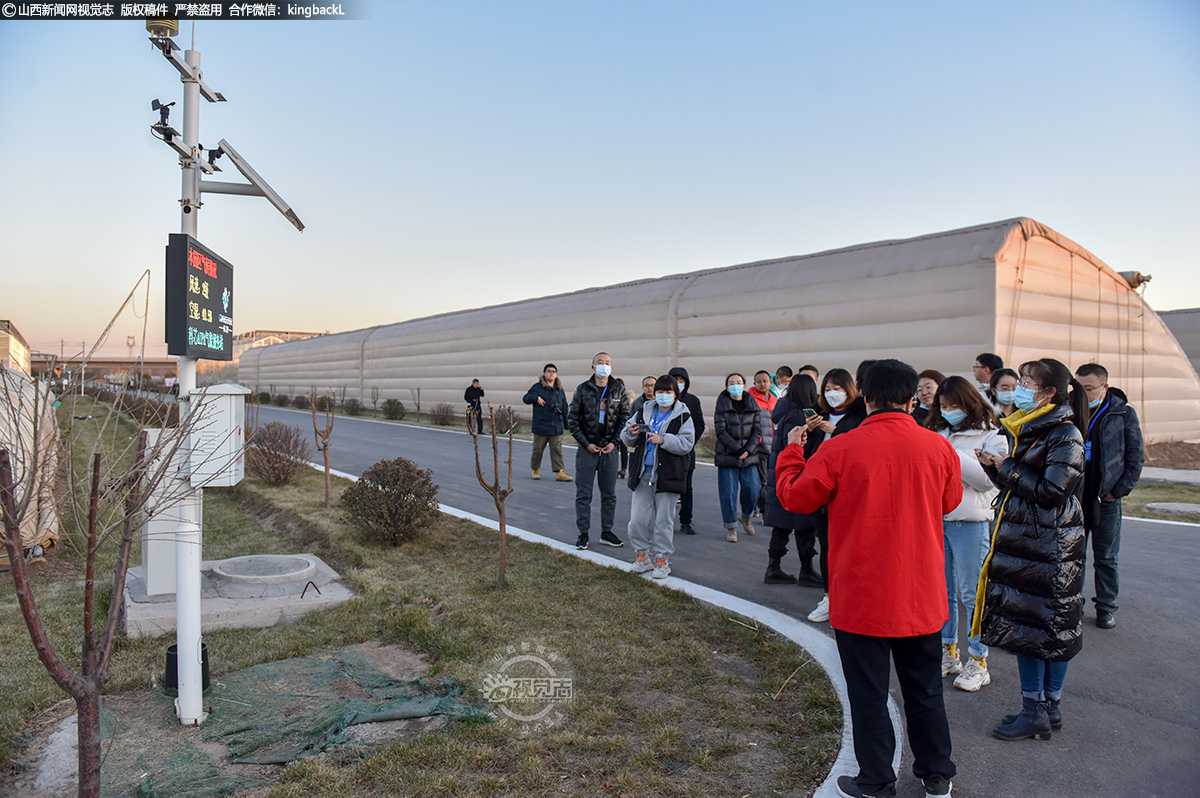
(669, 698)
(1147, 493)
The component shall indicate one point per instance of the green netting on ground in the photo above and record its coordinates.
(267, 714)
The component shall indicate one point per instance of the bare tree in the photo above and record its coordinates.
(416, 396)
(113, 506)
(375, 392)
(499, 495)
(322, 435)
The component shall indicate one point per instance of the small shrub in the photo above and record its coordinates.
(300, 401)
(394, 409)
(282, 399)
(353, 407)
(392, 502)
(324, 403)
(278, 453)
(505, 418)
(264, 398)
(442, 414)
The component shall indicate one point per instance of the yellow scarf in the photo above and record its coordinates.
(1013, 424)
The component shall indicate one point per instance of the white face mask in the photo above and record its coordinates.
(603, 370)
(835, 398)
(682, 386)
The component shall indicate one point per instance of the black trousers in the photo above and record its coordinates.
(918, 660)
(685, 499)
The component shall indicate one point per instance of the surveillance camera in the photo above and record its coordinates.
(187, 208)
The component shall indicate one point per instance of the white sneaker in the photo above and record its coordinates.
(821, 613)
(731, 535)
(974, 675)
(642, 564)
(662, 568)
(950, 663)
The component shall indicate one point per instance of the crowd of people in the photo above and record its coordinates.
(909, 497)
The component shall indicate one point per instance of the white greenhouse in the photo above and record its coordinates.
(1016, 288)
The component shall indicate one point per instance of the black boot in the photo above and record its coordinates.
(808, 575)
(1052, 711)
(776, 576)
(1032, 722)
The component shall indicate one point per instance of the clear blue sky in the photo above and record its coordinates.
(448, 154)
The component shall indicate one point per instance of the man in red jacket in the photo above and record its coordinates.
(887, 483)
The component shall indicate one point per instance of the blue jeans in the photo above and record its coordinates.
(728, 480)
(1106, 541)
(966, 548)
(1041, 679)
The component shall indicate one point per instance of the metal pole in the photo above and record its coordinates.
(189, 705)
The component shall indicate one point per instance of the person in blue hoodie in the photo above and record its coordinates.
(661, 436)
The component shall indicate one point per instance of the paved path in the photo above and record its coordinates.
(1132, 700)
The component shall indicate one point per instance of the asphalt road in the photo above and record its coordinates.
(1131, 704)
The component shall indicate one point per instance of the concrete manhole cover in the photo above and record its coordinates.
(265, 568)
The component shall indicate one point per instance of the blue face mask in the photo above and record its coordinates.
(664, 399)
(1004, 397)
(736, 391)
(1023, 399)
(954, 417)
(602, 371)
(1094, 403)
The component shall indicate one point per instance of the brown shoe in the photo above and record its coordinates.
(536, 475)
(563, 476)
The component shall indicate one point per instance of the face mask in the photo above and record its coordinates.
(602, 371)
(924, 406)
(682, 386)
(1094, 403)
(954, 417)
(1023, 399)
(835, 398)
(736, 391)
(778, 390)
(664, 399)
(1004, 397)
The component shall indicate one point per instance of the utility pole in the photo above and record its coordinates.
(189, 647)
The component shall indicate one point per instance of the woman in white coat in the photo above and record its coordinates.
(961, 415)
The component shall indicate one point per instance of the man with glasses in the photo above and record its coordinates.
(549, 417)
(1113, 458)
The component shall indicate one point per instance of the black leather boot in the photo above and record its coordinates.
(1052, 711)
(776, 576)
(1032, 722)
(808, 575)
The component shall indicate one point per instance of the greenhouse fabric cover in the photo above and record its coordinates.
(1015, 287)
(29, 431)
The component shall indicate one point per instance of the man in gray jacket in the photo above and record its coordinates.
(1113, 456)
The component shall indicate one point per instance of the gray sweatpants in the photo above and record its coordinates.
(652, 521)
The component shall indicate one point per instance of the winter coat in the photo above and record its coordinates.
(474, 398)
(773, 513)
(1116, 445)
(888, 483)
(767, 406)
(978, 490)
(671, 457)
(853, 415)
(1033, 601)
(692, 402)
(739, 427)
(549, 418)
(583, 417)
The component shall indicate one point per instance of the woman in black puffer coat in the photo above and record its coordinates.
(738, 424)
(801, 396)
(1032, 580)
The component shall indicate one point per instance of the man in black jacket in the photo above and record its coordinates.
(473, 396)
(1113, 458)
(599, 410)
(693, 405)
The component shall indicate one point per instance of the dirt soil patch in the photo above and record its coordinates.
(1174, 454)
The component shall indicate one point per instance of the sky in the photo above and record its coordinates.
(450, 154)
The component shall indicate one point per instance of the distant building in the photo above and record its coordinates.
(14, 350)
(211, 371)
